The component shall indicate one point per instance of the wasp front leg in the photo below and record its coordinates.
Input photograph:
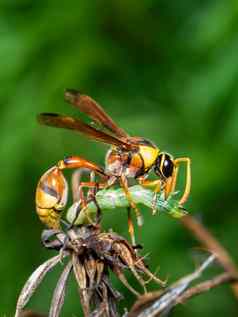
(187, 189)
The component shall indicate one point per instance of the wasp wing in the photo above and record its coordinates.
(91, 108)
(61, 121)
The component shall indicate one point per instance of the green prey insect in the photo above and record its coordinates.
(110, 199)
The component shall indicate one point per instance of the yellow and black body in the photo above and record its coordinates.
(132, 163)
(128, 157)
(51, 197)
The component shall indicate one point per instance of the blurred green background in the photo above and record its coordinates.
(165, 70)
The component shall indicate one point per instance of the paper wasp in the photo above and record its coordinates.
(128, 157)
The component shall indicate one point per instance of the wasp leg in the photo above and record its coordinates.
(82, 202)
(157, 184)
(124, 185)
(78, 162)
(93, 187)
(131, 229)
(75, 183)
(149, 183)
(187, 189)
(168, 185)
(91, 195)
(83, 166)
(77, 186)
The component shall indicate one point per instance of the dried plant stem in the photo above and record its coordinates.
(210, 242)
(157, 303)
(205, 286)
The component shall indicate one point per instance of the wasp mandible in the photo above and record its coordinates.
(129, 157)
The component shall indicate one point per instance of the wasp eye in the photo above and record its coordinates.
(167, 167)
(164, 165)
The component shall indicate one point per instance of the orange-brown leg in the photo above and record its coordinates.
(72, 162)
(187, 189)
(167, 186)
(77, 186)
(91, 195)
(82, 165)
(75, 183)
(131, 229)
(79, 199)
(150, 183)
(83, 201)
(124, 185)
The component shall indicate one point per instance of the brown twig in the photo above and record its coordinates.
(160, 302)
(210, 242)
(205, 286)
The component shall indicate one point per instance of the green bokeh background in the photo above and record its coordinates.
(165, 70)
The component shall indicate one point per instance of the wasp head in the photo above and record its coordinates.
(164, 165)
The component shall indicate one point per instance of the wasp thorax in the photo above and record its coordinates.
(164, 165)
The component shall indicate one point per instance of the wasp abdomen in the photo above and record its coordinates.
(51, 197)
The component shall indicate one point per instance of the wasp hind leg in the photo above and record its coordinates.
(76, 162)
(79, 196)
(91, 196)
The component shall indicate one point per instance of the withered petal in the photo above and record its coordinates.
(59, 292)
(79, 272)
(81, 278)
(33, 282)
(100, 268)
(90, 267)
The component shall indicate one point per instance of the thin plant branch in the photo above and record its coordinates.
(153, 304)
(210, 242)
(205, 287)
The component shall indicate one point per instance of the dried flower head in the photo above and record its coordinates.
(92, 255)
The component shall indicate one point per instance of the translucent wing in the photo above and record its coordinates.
(91, 108)
(61, 121)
